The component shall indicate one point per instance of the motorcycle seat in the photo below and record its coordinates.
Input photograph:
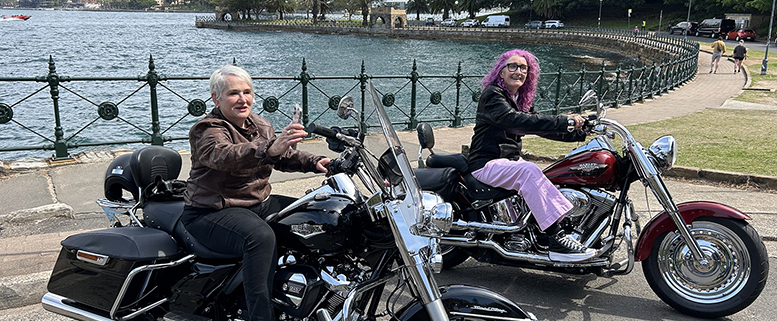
(482, 191)
(457, 161)
(166, 216)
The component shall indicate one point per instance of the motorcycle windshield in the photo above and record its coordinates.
(394, 161)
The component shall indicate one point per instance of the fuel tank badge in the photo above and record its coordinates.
(588, 167)
(306, 230)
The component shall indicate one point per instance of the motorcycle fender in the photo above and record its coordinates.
(689, 211)
(469, 302)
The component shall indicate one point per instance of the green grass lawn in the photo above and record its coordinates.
(730, 140)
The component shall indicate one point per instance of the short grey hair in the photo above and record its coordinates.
(218, 78)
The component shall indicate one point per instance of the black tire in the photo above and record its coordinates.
(452, 256)
(726, 37)
(697, 33)
(737, 38)
(727, 286)
(671, 32)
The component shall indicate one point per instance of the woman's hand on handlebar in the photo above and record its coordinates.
(578, 120)
(323, 165)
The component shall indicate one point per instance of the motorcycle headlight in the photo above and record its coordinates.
(664, 152)
(437, 212)
(442, 217)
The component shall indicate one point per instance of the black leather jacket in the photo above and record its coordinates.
(499, 126)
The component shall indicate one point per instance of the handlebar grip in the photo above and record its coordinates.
(323, 131)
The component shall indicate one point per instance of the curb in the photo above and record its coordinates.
(22, 290)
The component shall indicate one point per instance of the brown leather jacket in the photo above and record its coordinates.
(230, 165)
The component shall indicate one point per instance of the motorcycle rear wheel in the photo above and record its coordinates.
(732, 281)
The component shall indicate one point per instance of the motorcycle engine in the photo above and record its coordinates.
(296, 289)
(589, 208)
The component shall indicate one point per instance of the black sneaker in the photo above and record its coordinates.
(563, 248)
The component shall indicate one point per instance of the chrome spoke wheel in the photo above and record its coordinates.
(720, 278)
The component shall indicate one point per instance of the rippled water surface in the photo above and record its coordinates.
(118, 44)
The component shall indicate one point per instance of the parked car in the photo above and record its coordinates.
(684, 28)
(741, 34)
(553, 24)
(470, 23)
(449, 23)
(534, 24)
(497, 21)
(714, 27)
(430, 21)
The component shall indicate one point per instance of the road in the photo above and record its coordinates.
(754, 45)
(552, 296)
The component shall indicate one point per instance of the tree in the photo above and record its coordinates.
(418, 6)
(471, 6)
(281, 7)
(444, 6)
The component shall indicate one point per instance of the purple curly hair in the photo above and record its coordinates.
(528, 91)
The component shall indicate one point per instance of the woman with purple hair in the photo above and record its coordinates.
(504, 115)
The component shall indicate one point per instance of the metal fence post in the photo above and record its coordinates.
(558, 91)
(617, 85)
(630, 101)
(457, 111)
(601, 81)
(60, 145)
(582, 79)
(413, 93)
(363, 86)
(304, 79)
(153, 80)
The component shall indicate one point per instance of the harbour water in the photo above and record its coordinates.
(118, 44)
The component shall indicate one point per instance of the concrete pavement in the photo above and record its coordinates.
(42, 203)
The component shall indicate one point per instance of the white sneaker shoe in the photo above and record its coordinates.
(563, 248)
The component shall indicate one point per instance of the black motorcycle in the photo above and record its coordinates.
(340, 245)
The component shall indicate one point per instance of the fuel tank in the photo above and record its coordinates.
(321, 225)
(595, 168)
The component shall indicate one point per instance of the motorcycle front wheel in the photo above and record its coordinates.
(734, 277)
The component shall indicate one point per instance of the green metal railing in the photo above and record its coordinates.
(411, 98)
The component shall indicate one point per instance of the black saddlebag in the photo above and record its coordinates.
(92, 266)
(443, 181)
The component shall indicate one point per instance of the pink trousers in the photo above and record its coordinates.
(547, 204)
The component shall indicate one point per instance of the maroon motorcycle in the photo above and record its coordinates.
(702, 258)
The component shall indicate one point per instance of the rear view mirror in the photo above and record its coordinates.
(345, 107)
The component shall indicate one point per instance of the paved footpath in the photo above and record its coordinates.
(41, 204)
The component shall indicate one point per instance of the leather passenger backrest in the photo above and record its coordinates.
(151, 161)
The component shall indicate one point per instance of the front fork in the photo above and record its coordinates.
(656, 184)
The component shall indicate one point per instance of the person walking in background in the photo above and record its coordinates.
(505, 114)
(740, 53)
(718, 49)
(636, 30)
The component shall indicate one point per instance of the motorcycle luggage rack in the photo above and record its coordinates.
(112, 208)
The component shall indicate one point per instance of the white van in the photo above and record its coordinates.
(496, 21)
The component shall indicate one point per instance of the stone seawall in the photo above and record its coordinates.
(624, 44)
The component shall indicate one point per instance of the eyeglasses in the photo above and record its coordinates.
(513, 67)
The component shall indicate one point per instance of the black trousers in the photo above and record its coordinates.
(243, 232)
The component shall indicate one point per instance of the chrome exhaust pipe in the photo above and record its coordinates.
(55, 303)
(486, 227)
(529, 257)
